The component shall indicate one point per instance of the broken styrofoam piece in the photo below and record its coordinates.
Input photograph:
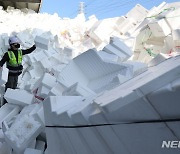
(158, 59)
(42, 42)
(160, 28)
(3, 75)
(7, 112)
(22, 132)
(77, 90)
(19, 97)
(32, 151)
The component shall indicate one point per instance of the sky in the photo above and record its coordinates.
(101, 8)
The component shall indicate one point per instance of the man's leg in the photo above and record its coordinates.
(15, 82)
(9, 84)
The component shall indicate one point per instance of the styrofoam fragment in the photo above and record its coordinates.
(32, 151)
(7, 112)
(3, 75)
(22, 133)
(42, 42)
(19, 97)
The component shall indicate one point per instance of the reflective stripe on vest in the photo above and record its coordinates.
(12, 59)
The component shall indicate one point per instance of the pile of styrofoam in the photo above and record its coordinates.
(87, 77)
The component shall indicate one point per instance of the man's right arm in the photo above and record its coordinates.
(4, 59)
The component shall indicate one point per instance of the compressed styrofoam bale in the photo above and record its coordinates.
(22, 132)
(176, 37)
(32, 151)
(166, 96)
(148, 136)
(42, 42)
(159, 28)
(19, 97)
(3, 75)
(7, 112)
(158, 59)
(40, 145)
(108, 56)
(162, 74)
(137, 68)
(112, 140)
(77, 90)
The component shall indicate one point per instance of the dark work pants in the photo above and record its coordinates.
(11, 83)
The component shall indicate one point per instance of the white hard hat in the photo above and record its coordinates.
(13, 39)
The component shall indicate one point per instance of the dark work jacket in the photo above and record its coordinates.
(5, 59)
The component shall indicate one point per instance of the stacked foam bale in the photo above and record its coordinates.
(108, 119)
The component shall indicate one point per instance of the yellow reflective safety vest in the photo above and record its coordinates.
(12, 59)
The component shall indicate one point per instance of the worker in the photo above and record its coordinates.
(13, 60)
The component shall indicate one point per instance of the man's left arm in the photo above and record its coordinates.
(27, 51)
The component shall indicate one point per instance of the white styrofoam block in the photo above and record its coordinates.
(159, 28)
(32, 151)
(3, 75)
(6, 41)
(19, 97)
(138, 13)
(176, 37)
(42, 42)
(22, 132)
(43, 91)
(48, 80)
(7, 112)
(57, 90)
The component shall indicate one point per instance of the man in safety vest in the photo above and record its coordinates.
(13, 60)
